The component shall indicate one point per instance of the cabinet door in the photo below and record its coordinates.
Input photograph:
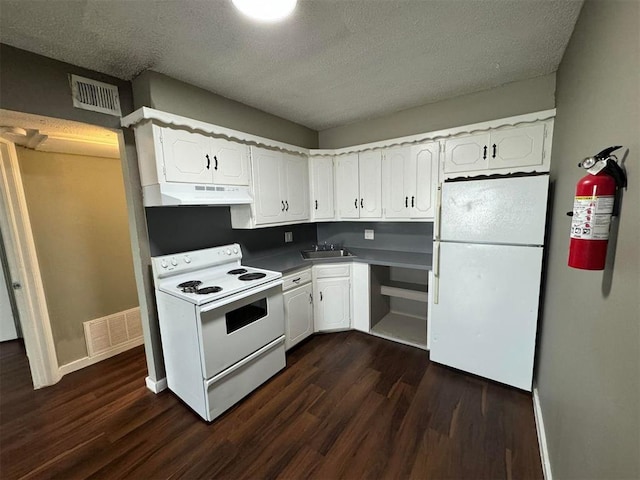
(425, 180)
(467, 154)
(332, 306)
(298, 314)
(187, 157)
(370, 179)
(230, 162)
(347, 192)
(268, 186)
(296, 186)
(322, 188)
(397, 168)
(517, 147)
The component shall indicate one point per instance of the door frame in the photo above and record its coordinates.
(24, 268)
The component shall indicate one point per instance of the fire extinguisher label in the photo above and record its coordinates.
(592, 217)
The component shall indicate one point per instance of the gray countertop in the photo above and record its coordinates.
(290, 259)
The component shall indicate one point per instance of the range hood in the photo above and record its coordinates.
(172, 194)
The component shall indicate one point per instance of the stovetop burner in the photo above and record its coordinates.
(251, 276)
(237, 271)
(190, 286)
(207, 290)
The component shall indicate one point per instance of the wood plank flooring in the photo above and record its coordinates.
(348, 405)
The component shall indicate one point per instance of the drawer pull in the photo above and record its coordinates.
(296, 280)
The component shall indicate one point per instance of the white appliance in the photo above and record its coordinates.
(173, 194)
(222, 326)
(487, 270)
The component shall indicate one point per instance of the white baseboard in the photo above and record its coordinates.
(86, 361)
(542, 436)
(156, 386)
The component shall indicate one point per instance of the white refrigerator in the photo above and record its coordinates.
(488, 247)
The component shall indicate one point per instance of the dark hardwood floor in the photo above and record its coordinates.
(348, 405)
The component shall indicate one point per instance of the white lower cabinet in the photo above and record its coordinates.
(298, 307)
(332, 297)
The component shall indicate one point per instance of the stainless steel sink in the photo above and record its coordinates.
(315, 254)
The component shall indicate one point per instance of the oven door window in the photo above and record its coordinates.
(245, 315)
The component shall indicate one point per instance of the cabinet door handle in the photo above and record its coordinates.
(310, 298)
(216, 160)
(316, 204)
(208, 161)
(320, 296)
(356, 204)
(494, 150)
(287, 202)
(406, 202)
(413, 201)
(361, 203)
(484, 154)
(282, 202)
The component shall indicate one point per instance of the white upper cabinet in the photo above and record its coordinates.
(268, 186)
(505, 150)
(230, 162)
(296, 183)
(467, 154)
(347, 189)
(359, 185)
(397, 174)
(370, 180)
(517, 147)
(410, 181)
(280, 189)
(195, 158)
(187, 157)
(425, 163)
(321, 170)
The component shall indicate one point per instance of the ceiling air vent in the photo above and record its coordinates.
(95, 96)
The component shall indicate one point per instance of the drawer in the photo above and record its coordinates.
(296, 279)
(329, 271)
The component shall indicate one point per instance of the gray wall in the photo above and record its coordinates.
(589, 358)
(401, 236)
(180, 229)
(164, 93)
(507, 100)
(39, 85)
(79, 221)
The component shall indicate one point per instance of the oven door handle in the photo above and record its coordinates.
(244, 361)
(207, 307)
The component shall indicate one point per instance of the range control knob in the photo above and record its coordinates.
(174, 262)
(235, 250)
(187, 259)
(163, 264)
(228, 252)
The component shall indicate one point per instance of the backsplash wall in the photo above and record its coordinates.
(401, 236)
(181, 229)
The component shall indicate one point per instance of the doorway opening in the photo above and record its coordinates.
(66, 237)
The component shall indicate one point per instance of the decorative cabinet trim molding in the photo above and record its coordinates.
(146, 114)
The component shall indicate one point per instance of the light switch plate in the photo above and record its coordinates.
(368, 234)
(288, 237)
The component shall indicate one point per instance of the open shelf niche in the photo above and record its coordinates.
(399, 304)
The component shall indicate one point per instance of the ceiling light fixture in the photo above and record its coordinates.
(266, 10)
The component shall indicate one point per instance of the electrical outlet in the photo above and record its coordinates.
(368, 234)
(288, 237)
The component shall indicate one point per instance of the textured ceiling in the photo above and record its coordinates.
(331, 63)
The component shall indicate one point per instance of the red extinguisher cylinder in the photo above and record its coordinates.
(592, 209)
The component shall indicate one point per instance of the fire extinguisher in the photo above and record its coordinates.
(597, 199)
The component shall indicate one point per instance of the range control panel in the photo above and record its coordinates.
(195, 260)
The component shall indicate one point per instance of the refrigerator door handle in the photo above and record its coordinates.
(436, 229)
(436, 271)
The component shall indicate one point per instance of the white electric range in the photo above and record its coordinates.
(222, 326)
